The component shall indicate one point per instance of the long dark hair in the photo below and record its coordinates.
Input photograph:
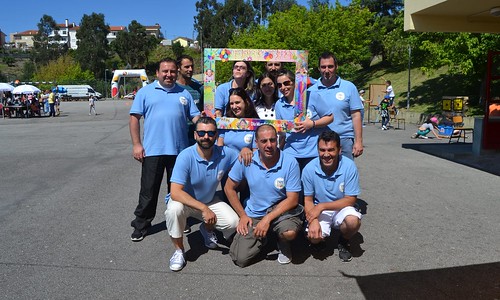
(250, 80)
(259, 95)
(249, 108)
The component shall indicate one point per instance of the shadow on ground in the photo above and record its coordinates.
(467, 282)
(461, 153)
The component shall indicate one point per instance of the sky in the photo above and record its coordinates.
(176, 17)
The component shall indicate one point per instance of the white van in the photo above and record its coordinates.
(78, 92)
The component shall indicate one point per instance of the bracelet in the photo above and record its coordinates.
(314, 124)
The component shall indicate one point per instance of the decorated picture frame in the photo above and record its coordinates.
(299, 57)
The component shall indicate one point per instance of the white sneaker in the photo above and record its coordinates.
(177, 261)
(209, 237)
(423, 137)
(285, 254)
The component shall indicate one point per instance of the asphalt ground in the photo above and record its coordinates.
(69, 186)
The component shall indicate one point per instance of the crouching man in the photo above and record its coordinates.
(195, 178)
(274, 182)
(331, 186)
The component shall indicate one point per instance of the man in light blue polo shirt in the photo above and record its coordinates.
(343, 97)
(274, 181)
(196, 176)
(331, 186)
(165, 107)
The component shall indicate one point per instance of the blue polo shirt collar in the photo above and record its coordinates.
(277, 166)
(333, 86)
(175, 89)
(215, 155)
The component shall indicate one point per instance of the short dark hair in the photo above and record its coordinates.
(205, 120)
(327, 55)
(184, 56)
(165, 60)
(263, 127)
(329, 135)
(287, 73)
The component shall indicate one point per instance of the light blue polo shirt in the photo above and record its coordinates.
(222, 96)
(267, 187)
(324, 188)
(303, 145)
(238, 139)
(165, 115)
(200, 177)
(342, 97)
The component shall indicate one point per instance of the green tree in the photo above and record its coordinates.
(93, 48)
(216, 23)
(386, 12)
(135, 45)
(177, 49)
(47, 42)
(63, 70)
(326, 29)
(28, 71)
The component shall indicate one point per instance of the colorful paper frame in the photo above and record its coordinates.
(213, 54)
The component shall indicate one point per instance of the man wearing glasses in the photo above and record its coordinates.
(195, 178)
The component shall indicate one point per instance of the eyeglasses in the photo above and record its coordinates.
(286, 83)
(201, 133)
(237, 67)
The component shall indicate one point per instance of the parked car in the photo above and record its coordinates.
(130, 96)
(79, 92)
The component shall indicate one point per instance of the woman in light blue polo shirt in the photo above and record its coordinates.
(243, 77)
(301, 143)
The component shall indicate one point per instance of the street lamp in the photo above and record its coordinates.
(409, 79)
(106, 82)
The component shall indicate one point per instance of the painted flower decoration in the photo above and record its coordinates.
(268, 56)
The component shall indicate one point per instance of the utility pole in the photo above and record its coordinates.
(409, 78)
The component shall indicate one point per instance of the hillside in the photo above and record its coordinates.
(426, 90)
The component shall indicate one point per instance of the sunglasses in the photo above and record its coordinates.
(286, 83)
(201, 133)
(274, 64)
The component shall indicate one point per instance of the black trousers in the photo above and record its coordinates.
(153, 168)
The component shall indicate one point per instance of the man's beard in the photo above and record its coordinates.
(205, 144)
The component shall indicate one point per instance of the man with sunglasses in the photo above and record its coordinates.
(195, 178)
(345, 102)
(165, 107)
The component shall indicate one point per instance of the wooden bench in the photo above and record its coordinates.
(462, 133)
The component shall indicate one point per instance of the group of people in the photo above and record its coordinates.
(273, 184)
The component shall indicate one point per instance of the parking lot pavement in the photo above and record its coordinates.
(69, 186)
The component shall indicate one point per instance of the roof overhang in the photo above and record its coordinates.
(451, 16)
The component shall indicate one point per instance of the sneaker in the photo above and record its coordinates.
(423, 137)
(414, 136)
(285, 252)
(344, 253)
(187, 229)
(138, 235)
(177, 261)
(209, 237)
